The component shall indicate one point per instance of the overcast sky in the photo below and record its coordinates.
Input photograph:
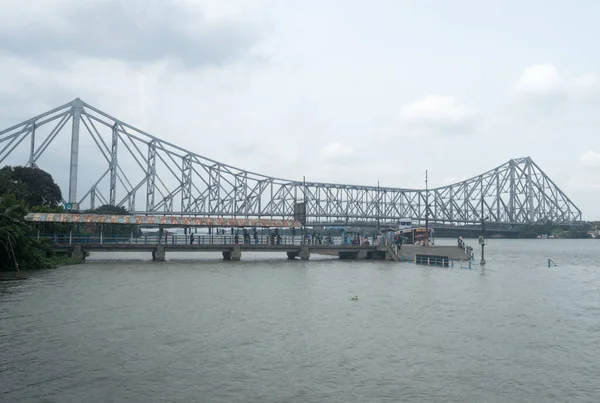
(340, 91)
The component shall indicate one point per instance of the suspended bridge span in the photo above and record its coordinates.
(126, 166)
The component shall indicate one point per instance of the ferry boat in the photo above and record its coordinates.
(413, 233)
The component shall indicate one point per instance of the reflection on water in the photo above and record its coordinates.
(270, 330)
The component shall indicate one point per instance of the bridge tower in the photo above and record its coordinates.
(76, 109)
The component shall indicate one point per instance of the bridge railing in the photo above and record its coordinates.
(181, 239)
(467, 249)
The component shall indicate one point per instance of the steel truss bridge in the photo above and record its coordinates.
(132, 165)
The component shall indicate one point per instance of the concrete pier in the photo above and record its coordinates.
(158, 254)
(236, 253)
(233, 252)
(78, 253)
(304, 253)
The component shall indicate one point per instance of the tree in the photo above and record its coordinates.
(32, 185)
(110, 209)
(18, 251)
(117, 228)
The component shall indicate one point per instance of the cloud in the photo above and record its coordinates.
(336, 152)
(440, 115)
(540, 79)
(128, 31)
(544, 83)
(589, 159)
(584, 178)
(332, 103)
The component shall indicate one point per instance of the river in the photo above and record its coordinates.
(270, 330)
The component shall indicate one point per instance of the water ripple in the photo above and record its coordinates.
(270, 330)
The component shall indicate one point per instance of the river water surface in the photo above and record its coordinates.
(270, 330)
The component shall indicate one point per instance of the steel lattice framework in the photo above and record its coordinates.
(172, 179)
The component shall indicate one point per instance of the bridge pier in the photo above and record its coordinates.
(158, 254)
(348, 255)
(236, 253)
(304, 252)
(78, 253)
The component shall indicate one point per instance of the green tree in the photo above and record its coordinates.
(115, 229)
(18, 250)
(110, 209)
(32, 185)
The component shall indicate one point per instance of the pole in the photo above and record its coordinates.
(303, 217)
(426, 210)
(378, 212)
(482, 238)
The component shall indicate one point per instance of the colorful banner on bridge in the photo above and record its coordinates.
(170, 221)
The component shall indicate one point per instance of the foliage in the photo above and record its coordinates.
(549, 228)
(46, 228)
(20, 188)
(47, 209)
(115, 229)
(63, 259)
(18, 251)
(32, 185)
(110, 209)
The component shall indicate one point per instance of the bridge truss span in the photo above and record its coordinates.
(148, 175)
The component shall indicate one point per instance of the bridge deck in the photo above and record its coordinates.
(214, 247)
(406, 253)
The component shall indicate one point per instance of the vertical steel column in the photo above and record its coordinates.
(186, 183)
(511, 190)
(378, 207)
(113, 166)
(131, 202)
(498, 190)
(481, 196)
(246, 200)
(31, 162)
(465, 203)
(151, 173)
(93, 198)
(76, 109)
(451, 215)
(236, 186)
(220, 202)
(531, 214)
(169, 204)
(208, 206)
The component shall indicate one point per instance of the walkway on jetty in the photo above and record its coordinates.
(231, 246)
(293, 247)
(81, 246)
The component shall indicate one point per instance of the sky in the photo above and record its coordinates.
(338, 91)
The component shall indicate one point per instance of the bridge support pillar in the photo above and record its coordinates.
(78, 253)
(236, 253)
(304, 253)
(158, 254)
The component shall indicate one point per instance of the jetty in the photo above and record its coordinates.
(230, 244)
